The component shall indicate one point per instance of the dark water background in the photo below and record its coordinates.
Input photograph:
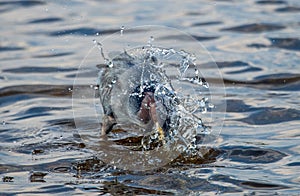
(256, 45)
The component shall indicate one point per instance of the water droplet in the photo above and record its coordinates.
(190, 104)
(113, 81)
(184, 65)
(159, 65)
(109, 63)
(151, 39)
(100, 48)
(122, 30)
(205, 84)
(154, 136)
(202, 103)
(152, 77)
(204, 110)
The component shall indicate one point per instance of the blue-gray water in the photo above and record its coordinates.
(256, 45)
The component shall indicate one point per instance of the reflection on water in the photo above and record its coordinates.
(255, 44)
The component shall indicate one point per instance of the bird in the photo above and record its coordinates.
(131, 89)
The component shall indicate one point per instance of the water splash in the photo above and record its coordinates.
(149, 69)
(122, 30)
(150, 41)
(107, 61)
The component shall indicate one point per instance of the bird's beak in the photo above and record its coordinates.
(148, 112)
(153, 114)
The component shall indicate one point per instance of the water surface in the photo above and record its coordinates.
(254, 43)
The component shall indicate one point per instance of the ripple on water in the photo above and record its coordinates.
(33, 69)
(243, 67)
(48, 90)
(53, 54)
(270, 2)
(36, 112)
(37, 176)
(249, 69)
(207, 23)
(180, 183)
(238, 106)
(294, 164)
(185, 38)
(22, 3)
(281, 43)
(285, 43)
(288, 9)
(247, 184)
(10, 48)
(272, 116)
(225, 64)
(86, 31)
(252, 155)
(282, 81)
(255, 28)
(45, 20)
